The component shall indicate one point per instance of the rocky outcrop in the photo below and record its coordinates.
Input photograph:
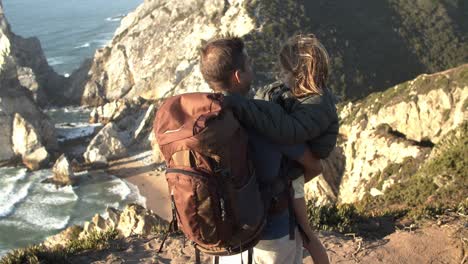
(28, 145)
(154, 53)
(25, 131)
(143, 61)
(132, 220)
(129, 125)
(398, 126)
(31, 67)
(107, 144)
(63, 172)
(116, 110)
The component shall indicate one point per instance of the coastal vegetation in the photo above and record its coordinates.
(421, 192)
(372, 44)
(59, 254)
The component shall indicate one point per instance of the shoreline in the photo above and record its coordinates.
(140, 170)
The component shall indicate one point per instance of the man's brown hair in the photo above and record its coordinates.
(308, 62)
(220, 58)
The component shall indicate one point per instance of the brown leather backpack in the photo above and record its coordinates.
(216, 198)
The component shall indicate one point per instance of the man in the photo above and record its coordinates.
(226, 68)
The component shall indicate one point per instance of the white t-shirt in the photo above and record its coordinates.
(298, 186)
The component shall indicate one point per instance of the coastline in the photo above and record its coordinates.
(140, 170)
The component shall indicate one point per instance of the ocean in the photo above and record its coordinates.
(69, 31)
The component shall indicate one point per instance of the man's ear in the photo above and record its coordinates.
(236, 77)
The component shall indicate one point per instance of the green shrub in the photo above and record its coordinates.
(332, 217)
(41, 254)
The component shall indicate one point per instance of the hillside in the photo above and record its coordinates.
(373, 45)
(401, 152)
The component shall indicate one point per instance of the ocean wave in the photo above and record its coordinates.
(15, 224)
(76, 132)
(11, 198)
(57, 200)
(86, 45)
(103, 42)
(3, 252)
(19, 175)
(136, 196)
(43, 220)
(115, 18)
(120, 188)
(55, 61)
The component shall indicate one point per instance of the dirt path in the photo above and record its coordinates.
(429, 245)
(445, 244)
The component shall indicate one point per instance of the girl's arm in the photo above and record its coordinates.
(308, 120)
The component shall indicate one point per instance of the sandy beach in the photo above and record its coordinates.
(140, 170)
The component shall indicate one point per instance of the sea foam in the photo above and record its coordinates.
(12, 196)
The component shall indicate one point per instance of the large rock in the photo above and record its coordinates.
(18, 110)
(63, 172)
(106, 145)
(23, 125)
(133, 220)
(155, 51)
(116, 110)
(130, 126)
(27, 144)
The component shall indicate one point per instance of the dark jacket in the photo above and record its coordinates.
(289, 120)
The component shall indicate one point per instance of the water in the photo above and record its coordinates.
(70, 30)
(31, 210)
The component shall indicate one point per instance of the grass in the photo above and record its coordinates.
(422, 190)
(41, 254)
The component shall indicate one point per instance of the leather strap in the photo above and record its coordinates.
(197, 256)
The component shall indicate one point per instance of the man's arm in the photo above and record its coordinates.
(306, 122)
(311, 164)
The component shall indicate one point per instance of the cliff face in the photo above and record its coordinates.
(396, 132)
(32, 70)
(24, 129)
(154, 53)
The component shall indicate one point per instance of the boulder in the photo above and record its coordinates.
(63, 172)
(106, 145)
(27, 144)
(64, 237)
(133, 220)
(109, 112)
(156, 152)
(146, 124)
(136, 220)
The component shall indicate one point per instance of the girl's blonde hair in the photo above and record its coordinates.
(308, 62)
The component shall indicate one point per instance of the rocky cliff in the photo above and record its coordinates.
(154, 53)
(25, 131)
(394, 134)
(32, 70)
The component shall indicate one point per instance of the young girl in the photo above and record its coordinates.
(305, 111)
